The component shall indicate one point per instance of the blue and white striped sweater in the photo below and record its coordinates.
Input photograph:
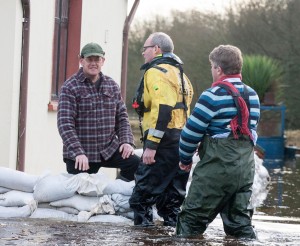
(212, 115)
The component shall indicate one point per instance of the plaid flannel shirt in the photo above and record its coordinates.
(91, 122)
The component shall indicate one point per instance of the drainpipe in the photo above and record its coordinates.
(128, 21)
(23, 86)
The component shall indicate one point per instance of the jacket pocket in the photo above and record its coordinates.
(86, 103)
(108, 100)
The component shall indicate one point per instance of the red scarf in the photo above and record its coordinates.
(234, 124)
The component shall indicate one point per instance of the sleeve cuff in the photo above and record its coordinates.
(151, 145)
(186, 162)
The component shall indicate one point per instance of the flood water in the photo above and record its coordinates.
(277, 222)
(284, 191)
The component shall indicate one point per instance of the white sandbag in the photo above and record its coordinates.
(17, 212)
(16, 198)
(44, 205)
(111, 219)
(129, 215)
(119, 186)
(68, 210)
(84, 216)
(4, 190)
(81, 203)
(105, 205)
(88, 184)
(260, 183)
(45, 213)
(52, 188)
(121, 203)
(17, 180)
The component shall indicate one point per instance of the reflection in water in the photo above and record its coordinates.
(283, 198)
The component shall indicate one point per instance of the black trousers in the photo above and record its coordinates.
(163, 184)
(127, 166)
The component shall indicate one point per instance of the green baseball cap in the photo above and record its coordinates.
(92, 49)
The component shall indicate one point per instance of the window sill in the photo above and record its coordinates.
(52, 106)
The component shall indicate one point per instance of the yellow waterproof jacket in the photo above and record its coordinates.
(163, 99)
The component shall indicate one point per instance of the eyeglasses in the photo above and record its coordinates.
(146, 47)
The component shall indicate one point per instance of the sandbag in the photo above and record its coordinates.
(104, 206)
(81, 203)
(129, 215)
(17, 180)
(119, 186)
(121, 203)
(111, 219)
(4, 190)
(53, 187)
(16, 198)
(260, 183)
(68, 210)
(88, 184)
(17, 212)
(43, 213)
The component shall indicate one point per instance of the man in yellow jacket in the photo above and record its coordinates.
(163, 101)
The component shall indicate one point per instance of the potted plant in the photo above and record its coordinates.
(263, 74)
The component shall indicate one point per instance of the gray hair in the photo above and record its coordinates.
(228, 57)
(163, 41)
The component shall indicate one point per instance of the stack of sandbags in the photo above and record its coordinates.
(85, 197)
(16, 197)
(79, 197)
(64, 196)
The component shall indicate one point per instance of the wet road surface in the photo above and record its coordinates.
(54, 232)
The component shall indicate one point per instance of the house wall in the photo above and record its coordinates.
(10, 48)
(102, 22)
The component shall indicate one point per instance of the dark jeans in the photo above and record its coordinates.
(127, 166)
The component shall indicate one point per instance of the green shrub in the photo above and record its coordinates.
(263, 74)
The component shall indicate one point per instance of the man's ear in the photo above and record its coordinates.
(80, 60)
(157, 50)
(219, 70)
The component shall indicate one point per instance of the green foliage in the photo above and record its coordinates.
(262, 74)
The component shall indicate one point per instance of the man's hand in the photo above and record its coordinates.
(82, 163)
(148, 156)
(126, 150)
(186, 168)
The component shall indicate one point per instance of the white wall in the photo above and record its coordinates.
(103, 22)
(10, 50)
(42, 140)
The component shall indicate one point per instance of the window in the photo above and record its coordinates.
(60, 46)
(65, 53)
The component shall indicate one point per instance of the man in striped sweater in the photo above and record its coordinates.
(224, 123)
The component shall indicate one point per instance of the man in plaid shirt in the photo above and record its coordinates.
(92, 120)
